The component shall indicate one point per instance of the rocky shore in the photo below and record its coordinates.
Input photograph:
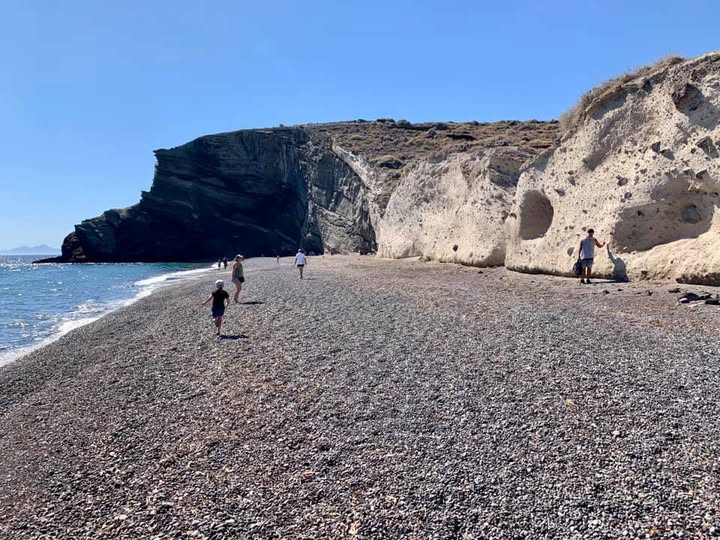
(375, 399)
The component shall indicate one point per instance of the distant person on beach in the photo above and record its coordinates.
(238, 277)
(220, 300)
(219, 263)
(225, 263)
(277, 259)
(300, 261)
(586, 254)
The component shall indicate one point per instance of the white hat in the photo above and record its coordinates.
(219, 284)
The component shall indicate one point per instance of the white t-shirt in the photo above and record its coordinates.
(588, 248)
(300, 258)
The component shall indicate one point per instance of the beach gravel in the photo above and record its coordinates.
(374, 399)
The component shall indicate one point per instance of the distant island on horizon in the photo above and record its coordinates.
(42, 249)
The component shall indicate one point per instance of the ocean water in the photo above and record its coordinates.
(41, 302)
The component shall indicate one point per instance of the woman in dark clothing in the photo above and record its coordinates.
(237, 276)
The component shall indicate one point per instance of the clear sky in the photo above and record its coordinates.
(89, 88)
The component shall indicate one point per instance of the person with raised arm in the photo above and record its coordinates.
(586, 254)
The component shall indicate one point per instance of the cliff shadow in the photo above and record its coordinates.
(619, 272)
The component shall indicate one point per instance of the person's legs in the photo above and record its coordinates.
(584, 271)
(238, 288)
(218, 323)
(301, 271)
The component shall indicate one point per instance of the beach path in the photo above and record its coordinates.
(374, 399)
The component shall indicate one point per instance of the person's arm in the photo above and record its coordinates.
(227, 301)
(580, 250)
(598, 244)
(206, 301)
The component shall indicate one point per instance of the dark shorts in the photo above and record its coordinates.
(238, 280)
(217, 312)
(300, 265)
(586, 263)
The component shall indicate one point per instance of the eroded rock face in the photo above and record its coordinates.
(642, 169)
(251, 192)
(443, 191)
(395, 188)
(453, 211)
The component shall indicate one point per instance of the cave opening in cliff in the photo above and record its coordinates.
(536, 215)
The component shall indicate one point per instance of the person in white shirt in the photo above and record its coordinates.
(586, 254)
(300, 261)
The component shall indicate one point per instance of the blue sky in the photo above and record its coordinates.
(89, 88)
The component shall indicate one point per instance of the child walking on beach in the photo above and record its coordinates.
(220, 300)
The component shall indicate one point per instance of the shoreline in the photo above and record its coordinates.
(143, 287)
(149, 287)
(388, 398)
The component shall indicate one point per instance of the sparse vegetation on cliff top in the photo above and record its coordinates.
(570, 119)
(406, 142)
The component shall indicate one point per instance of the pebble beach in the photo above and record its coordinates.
(373, 399)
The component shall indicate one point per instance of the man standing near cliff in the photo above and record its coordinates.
(586, 254)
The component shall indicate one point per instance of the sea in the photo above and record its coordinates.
(41, 302)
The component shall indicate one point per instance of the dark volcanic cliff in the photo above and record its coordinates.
(250, 192)
(322, 187)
